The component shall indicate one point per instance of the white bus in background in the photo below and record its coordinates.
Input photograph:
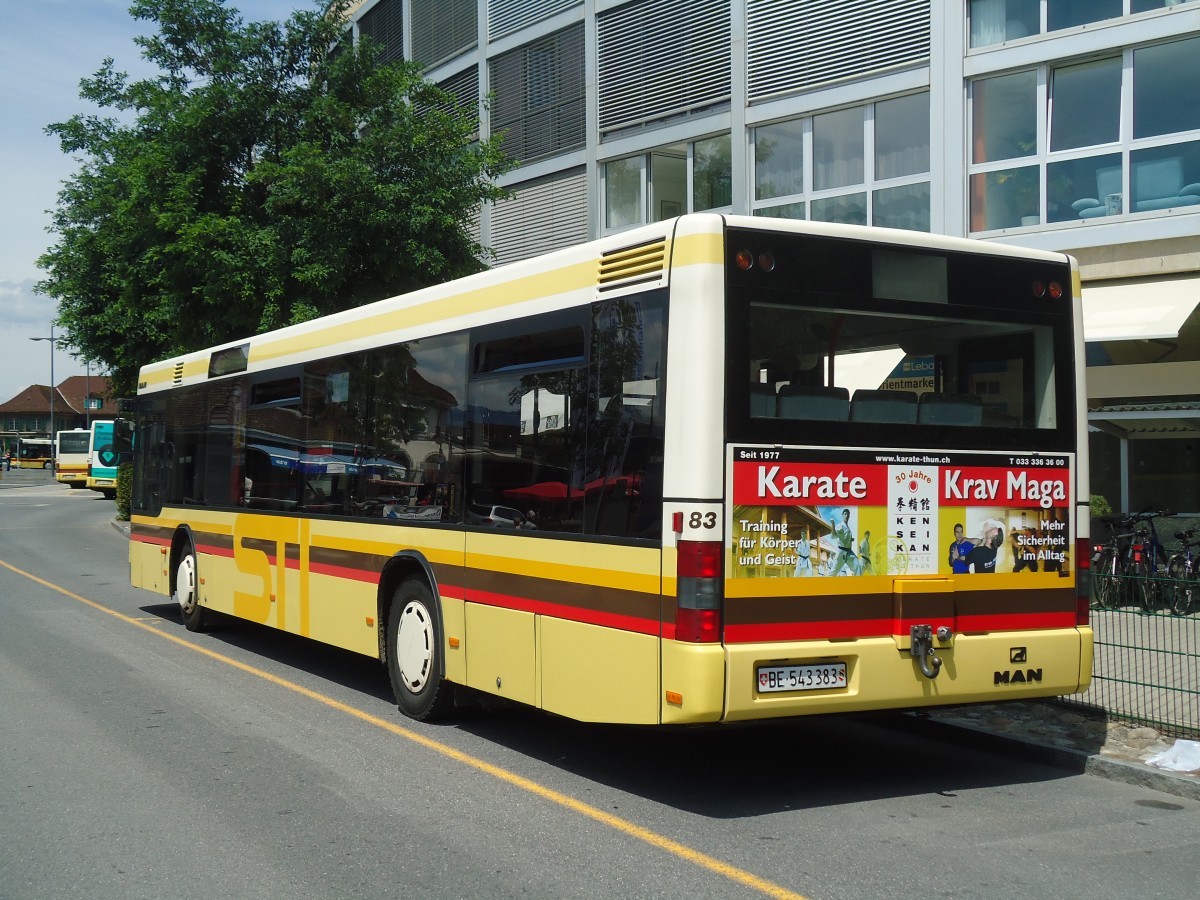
(71, 456)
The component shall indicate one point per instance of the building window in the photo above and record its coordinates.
(712, 173)
(902, 137)
(1004, 120)
(794, 47)
(862, 165)
(657, 59)
(541, 215)
(383, 25)
(623, 192)
(539, 96)
(654, 186)
(1101, 156)
(1159, 106)
(1071, 13)
(998, 21)
(838, 148)
(442, 29)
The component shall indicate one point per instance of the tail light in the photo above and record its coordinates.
(1083, 581)
(698, 601)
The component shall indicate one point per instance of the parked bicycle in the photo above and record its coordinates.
(1182, 573)
(1110, 561)
(1148, 559)
(1129, 567)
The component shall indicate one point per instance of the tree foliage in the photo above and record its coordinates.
(269, 173)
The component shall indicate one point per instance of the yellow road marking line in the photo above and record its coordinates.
(733, 873)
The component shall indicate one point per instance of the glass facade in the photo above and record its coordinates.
(862, 165)
(1120, 139)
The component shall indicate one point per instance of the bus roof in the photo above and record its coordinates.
(613, 266)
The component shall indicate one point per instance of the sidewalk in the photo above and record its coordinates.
(1079, 739)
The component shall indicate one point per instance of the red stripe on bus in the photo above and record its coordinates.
(212, 550)
(153, 541)
(571, 613)
(365, 575)
(864, 628)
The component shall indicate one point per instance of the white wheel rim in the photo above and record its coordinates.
(185, 584)
(414, 646)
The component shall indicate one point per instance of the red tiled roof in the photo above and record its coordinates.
(70, 397)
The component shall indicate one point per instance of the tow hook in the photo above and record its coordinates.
(921, 647)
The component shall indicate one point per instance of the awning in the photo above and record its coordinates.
(1166, 419)
(1138, 308)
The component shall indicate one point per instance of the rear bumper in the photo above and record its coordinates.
(975, 668)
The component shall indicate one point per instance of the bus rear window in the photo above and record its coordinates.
(826, 365)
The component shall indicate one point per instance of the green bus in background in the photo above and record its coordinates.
(109, 447)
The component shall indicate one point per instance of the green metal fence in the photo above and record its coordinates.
(1147, 665)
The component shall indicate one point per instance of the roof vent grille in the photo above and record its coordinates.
(638, 265)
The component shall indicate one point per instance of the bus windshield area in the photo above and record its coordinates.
(898, 368)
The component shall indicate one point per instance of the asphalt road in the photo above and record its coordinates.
(140, 760)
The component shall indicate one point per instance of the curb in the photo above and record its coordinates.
(1137, 774)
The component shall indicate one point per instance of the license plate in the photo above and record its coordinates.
(826, 676)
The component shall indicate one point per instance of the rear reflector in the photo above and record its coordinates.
(697, 626)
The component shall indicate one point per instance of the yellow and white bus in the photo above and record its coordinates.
(713, 469)
(35, 453)
(71, 456)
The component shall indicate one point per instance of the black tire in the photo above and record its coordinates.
(1183, 588)
(414, 653)
(1144, 587)
(1191, 588)
(195, 617)
(1106, 580)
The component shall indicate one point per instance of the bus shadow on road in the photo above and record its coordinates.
(271, 646)
(767, 767)
(723, 772)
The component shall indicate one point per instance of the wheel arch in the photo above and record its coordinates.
(181, 541)
(406, 564)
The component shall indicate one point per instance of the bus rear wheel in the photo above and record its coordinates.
(414, 649)
(194, 615)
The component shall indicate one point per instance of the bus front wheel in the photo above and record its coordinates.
(186, 594)
(414, 648)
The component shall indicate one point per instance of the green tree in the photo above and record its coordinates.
(269, 173)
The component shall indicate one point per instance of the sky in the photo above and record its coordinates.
(46, 48)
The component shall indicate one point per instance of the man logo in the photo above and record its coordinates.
(1017, 654)
(1029, 676)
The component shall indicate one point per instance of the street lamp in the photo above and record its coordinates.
(51, 340)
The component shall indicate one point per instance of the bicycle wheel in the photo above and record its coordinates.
(1179, 586)
(1145, 585)
(1192, 586)
(1105, 576)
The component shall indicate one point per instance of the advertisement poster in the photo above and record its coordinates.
(820, 513)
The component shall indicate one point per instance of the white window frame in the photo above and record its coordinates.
(1043, 158)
